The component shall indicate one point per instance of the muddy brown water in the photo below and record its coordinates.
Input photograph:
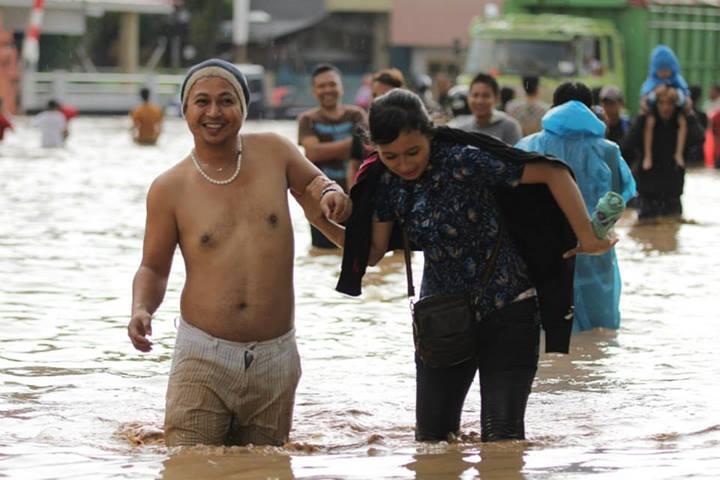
(638, 403)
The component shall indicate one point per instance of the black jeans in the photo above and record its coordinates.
(509, 347)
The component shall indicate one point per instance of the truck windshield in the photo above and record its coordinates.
(521, 57)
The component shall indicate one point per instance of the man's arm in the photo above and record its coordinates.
(381, 231)
(319, 152)
(150, 281)
(333, 202)
(135, 124)
(379, 241)
(159, 122)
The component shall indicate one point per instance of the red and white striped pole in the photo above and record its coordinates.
(31, 43)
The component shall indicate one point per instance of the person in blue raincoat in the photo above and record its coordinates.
(573, 133)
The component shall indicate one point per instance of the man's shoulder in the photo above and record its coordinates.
(50, 115)
(354, 110)
(171, 179)
(515, 105)
(540, 105)
(312, 113)
(147, 107)
(463, 122)
(263, 138)
(155, 109)
(269, 146)
(504, 120)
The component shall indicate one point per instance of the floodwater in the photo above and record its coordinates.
(638, 403)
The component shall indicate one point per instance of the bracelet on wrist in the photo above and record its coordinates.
(330, 188)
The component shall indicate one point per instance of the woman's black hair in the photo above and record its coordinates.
(398, 111)
(573, 91)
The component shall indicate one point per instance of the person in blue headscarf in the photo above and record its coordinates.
(573, 133)
(664, 73)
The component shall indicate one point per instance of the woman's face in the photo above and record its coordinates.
(481, 100)
(407, 156)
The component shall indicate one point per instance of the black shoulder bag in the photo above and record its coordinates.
(444, 325)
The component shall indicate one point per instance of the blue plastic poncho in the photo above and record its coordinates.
(663, 58)
(573, 133)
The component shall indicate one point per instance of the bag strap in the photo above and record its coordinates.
(408, 265)
(489, 266)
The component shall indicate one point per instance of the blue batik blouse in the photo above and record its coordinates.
(450, 213)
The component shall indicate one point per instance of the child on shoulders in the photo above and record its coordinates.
(664, 73)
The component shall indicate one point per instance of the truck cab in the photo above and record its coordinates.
(556, 48)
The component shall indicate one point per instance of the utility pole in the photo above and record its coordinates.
(31, 42)
(241, 27)
(31, 54)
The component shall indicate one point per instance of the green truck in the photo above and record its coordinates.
(598, 42)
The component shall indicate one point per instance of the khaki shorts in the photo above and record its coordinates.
(230, 393)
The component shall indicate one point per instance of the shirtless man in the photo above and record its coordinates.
(147, 120)
(235, 366)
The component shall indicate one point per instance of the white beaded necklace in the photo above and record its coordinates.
(212, 180)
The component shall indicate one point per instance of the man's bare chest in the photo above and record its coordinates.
(232, 218)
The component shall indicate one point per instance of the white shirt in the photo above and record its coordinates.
(52, 124)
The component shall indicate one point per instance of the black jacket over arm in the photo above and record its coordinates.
(530, 213)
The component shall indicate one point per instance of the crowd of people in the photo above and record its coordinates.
(672, 130)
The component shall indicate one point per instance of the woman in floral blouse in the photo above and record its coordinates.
(442, 194)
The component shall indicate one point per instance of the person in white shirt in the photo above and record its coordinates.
(53, 126)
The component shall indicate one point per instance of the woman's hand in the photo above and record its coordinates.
(594, 246)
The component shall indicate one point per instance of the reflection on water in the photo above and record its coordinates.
(499, 460)
(656, 237)
(227, 463)
(76, 401)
